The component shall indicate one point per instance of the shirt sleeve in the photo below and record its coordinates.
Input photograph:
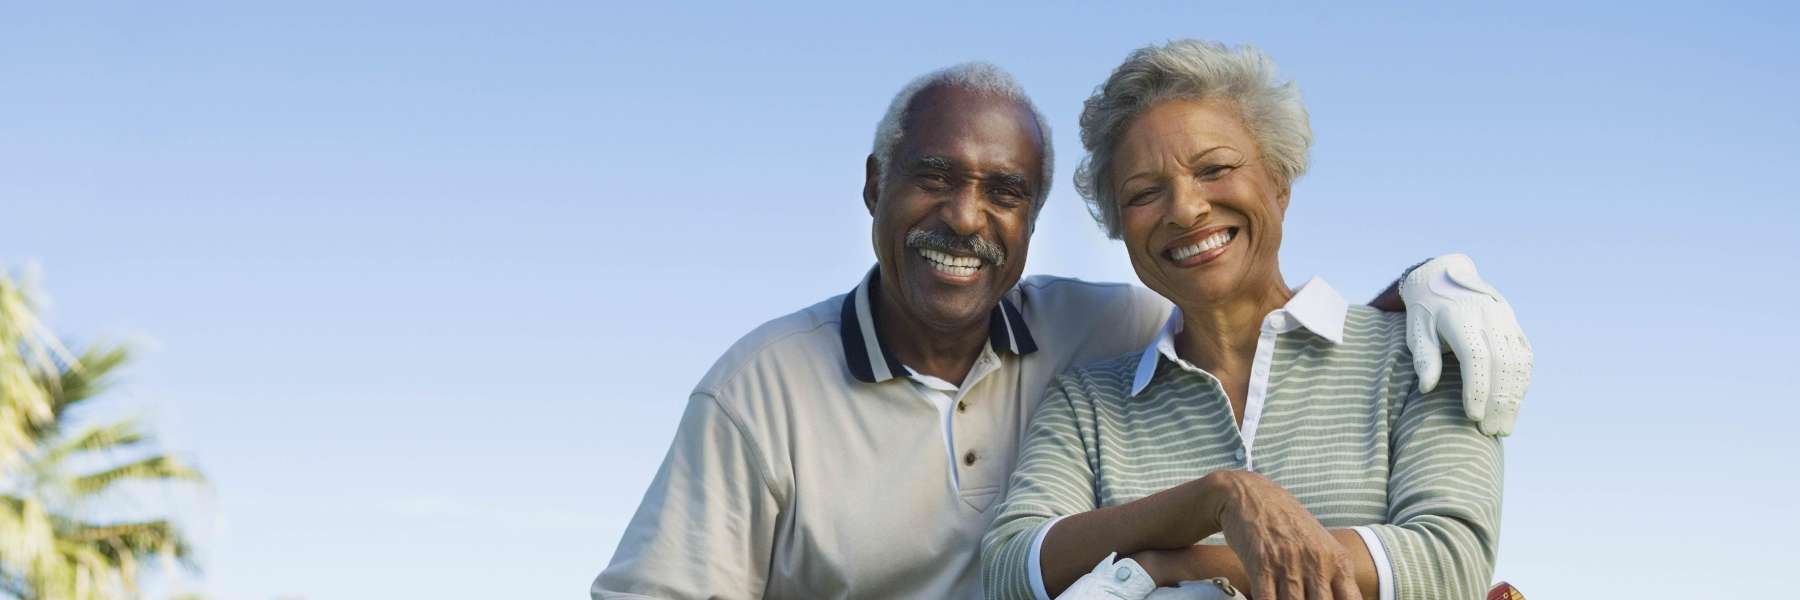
(1053, 479)
(706, 526)
(1444, 488)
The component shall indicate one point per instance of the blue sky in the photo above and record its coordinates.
(423, 286)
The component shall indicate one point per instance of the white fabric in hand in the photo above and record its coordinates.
(1110, 580)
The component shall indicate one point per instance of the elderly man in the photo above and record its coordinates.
(858, 447)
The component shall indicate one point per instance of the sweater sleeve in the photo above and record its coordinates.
(1053, 478)
(1444, 488)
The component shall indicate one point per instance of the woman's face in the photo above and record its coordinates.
(1200, 212)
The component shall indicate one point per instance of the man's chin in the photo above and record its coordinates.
(951, 312)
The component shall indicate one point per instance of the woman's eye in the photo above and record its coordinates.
(1141, 197)
(1214, 172)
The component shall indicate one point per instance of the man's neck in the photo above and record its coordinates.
(944, 352)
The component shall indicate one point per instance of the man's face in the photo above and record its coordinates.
(953, 212)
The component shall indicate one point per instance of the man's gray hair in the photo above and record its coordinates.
(974, 76)
(1191, 70)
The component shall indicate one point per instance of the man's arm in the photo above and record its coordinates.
(706, 526)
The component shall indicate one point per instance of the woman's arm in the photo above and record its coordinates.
(1444, 487)
(1206, 561)
(1053, 478)
(1276, 546)
(1174, 518)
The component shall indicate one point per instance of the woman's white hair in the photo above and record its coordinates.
(974, 76)
(1190, 69)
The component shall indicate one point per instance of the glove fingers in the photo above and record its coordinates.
(1422, 339)
(1510, 384)
(1469, 343)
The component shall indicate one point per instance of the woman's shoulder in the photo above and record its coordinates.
(1101, 380)
(1369, 329)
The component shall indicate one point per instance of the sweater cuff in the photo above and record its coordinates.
(1384, 570)
(1037, 572)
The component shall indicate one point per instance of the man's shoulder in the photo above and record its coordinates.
(1081, 321)
(803, 342)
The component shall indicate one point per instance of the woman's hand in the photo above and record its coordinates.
(1287, 554)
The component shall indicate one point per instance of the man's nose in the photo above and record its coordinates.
(963, 211)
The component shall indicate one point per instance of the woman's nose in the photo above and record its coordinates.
(1187, 205)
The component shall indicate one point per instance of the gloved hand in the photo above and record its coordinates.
(1446, 299)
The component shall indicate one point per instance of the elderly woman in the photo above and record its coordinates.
(1286, 419)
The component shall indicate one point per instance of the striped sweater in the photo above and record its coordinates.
(1342, 427)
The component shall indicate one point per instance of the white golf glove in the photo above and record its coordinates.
(1123, 579)
(1446, 299)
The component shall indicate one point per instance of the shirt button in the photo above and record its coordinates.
(1239, 454)
(962, 407)
(969, 459)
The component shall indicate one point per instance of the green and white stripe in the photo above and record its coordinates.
(1343, 428)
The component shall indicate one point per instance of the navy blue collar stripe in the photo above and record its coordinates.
(866, 350)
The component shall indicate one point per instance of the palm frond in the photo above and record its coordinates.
(120, 540)
(118, 435)
(45, 550)
(161, 467)
(88, 376)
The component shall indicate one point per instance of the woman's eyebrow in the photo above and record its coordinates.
(1202, 154)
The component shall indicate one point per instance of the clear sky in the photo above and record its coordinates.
(423, 286)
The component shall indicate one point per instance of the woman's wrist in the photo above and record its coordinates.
(1218, 492)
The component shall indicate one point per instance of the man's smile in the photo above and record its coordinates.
(961, 267)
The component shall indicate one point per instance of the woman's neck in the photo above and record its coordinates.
(1220, 337)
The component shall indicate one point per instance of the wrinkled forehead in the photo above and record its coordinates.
(1181, 129)
(978, 131)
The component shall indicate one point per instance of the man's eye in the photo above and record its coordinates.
(934, 180)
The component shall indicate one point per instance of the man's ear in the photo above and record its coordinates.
(871, 183)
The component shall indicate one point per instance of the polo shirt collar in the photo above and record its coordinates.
(867, 352)
(1316, 306)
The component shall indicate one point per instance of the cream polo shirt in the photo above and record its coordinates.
(809, 464)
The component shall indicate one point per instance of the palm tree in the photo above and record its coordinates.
(58, 474)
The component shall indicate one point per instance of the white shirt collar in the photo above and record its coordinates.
(1315, 306)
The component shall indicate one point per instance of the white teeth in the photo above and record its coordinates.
(1212, 242)
(961, 266)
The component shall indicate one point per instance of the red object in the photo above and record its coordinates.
(1505, 591)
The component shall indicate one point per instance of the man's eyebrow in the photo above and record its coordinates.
(1012, 179)
(935, 163)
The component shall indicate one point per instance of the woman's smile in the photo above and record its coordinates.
(1200, 247)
